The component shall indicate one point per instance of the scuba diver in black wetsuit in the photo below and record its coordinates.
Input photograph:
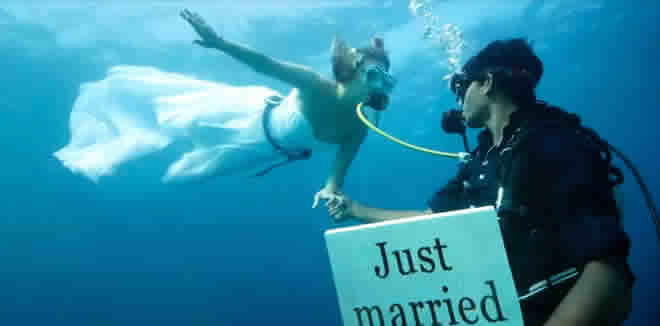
(551, 181)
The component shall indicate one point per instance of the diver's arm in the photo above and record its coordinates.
(366, 214)
(299, 76)
(599, 297)
(350, 209)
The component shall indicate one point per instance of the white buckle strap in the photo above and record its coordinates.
(550, 282)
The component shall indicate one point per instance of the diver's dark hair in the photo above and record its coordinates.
(344, 65)
(516, 69)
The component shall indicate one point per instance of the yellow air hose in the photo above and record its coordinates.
(358, 109)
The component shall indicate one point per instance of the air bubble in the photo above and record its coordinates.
(448, 37)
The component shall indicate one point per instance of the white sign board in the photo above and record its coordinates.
(442, 269)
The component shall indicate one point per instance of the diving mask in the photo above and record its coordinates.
(377, 79)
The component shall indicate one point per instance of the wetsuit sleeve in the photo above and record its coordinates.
(450, 197)
(566, 182)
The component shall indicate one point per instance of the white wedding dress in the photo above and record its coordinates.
(138, 110)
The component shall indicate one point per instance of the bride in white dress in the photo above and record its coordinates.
(139, 110)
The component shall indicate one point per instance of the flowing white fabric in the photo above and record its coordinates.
(137, 110)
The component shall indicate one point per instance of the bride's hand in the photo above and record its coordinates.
(209, 38)
(332, 197)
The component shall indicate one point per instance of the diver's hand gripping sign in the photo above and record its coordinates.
(442, 269)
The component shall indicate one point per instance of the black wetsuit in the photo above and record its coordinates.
(557, 212)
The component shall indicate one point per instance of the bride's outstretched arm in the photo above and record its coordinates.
(299, 76)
